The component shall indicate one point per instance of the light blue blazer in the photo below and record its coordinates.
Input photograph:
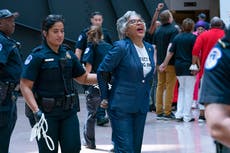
(130, 89)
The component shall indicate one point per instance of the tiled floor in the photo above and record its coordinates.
(159, 136)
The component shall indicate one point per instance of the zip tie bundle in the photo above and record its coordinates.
(39, 128)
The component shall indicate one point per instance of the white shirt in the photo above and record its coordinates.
(144, 57)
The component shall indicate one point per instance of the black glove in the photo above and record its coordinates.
(38, 115)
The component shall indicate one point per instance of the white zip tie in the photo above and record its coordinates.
(39, 128)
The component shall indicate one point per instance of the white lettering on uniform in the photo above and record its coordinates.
(49, 60)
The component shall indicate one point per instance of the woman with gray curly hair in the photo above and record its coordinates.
(130, 66)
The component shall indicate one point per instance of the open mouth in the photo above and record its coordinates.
(140, 30)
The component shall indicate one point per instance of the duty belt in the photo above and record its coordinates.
(57, 101)
(12, 86)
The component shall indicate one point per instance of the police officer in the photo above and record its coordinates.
(47, 86)
(96, 19)
(10, 70)
(215, 93)
(94, 54)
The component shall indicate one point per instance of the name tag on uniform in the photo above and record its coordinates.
(49, 59)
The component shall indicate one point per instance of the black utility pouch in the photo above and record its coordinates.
(3, 92)
(4, 118)
(221, 148)
(67, 102)
(47, 104)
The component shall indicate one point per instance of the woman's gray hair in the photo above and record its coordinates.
(122, 23)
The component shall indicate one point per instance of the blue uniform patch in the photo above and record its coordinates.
(28, 59)
(86, 50)
(212, 59)
(0, 47)
(79, 38)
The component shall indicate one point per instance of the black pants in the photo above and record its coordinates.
(8, 117)
(63, 128)
(221, 148)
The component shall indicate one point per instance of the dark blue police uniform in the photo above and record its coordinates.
(10, 70)
(52, 74)
(216, 81)
(82, 39)
(94, 54)
(82, 44)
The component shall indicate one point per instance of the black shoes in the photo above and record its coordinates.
(102, 121)
(89, 146)
(179, 119)
(171, 116)
(182, 120)
(152, 108)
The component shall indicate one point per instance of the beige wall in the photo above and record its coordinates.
(212, 5)
(214, 8)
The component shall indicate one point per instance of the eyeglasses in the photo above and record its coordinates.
(136, 21)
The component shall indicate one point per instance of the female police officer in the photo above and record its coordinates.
(47, 87)
(131, 63)
(93, 55)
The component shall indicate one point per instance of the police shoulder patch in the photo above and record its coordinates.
(213, 57)
(86, 50)
(79, 38)
(0, 47)
(28, 59)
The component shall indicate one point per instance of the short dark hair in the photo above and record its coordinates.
(95, 13)
(50, 20)
(202, 16)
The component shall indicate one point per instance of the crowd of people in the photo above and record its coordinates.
(195, 54)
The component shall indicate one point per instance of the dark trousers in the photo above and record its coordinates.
(100, 113)
(7, 123)
(128, 129)
(92, 103)
(153, 91)
(221, 148)
(63, 128)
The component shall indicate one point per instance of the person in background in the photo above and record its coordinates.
(10, 71)
(131, 63)
(163, 38)
(96, 49)
(182, 49)
(199, 28)
(215, 93)
(204, 43)
(202, 17)
(96, 19)
(154, 24)
(52, 64)
(149, 38)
